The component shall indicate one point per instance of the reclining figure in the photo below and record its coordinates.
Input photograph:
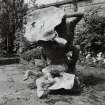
(55, 74)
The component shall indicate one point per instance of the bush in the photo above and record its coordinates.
(32, 59)
(91, 33)
(31, 54)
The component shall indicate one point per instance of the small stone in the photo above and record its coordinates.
(61, 103)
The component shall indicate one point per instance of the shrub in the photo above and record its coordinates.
(31, 54)
(91, 33)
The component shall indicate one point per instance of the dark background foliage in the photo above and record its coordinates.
(91, 31)
(11, 21)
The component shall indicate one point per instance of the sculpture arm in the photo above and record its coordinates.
(76, 14)
(74, 18)
(71, 22)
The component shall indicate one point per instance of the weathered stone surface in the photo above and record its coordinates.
(41, 23)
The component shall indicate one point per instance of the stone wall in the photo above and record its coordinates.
(83, 5)
(69, 6)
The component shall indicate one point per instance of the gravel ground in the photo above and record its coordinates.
(15, 91)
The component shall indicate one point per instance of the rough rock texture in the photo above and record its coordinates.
(41, 23)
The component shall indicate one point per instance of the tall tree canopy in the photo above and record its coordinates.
(11, 17)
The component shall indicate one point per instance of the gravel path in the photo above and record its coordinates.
(15, 91)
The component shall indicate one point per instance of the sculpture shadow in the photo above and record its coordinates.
(92, 80)
(76, 90)
(65, 92)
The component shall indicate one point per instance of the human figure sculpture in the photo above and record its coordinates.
(55, 53)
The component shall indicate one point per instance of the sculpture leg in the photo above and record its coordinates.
(73, 60)
(27, 74)
(40, 89)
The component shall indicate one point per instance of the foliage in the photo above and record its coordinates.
(31, 54)
(6, 25)
(91, 34)
(11, 17)
(20, 42)
(92, 61)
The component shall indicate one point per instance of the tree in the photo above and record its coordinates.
(7, 25)
(11, 17)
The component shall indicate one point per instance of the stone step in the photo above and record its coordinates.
(9, 60)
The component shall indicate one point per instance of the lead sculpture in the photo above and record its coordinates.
(53, 30)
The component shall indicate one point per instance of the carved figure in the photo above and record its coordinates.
(56, 37)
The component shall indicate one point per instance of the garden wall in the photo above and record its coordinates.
(83, 5)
